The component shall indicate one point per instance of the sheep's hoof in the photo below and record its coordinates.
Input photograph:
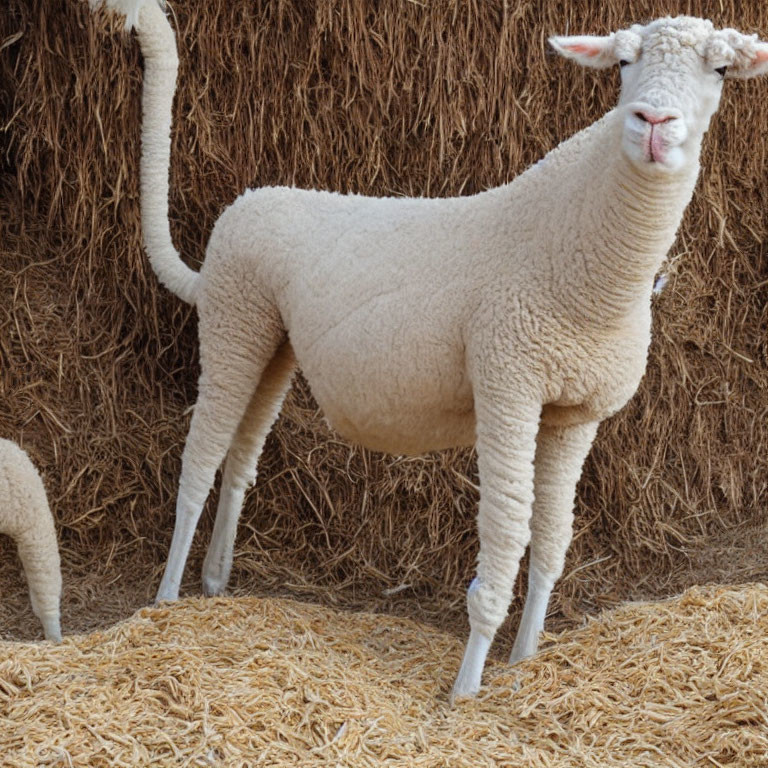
(525, 646)
(166, 595)
(519, 655)
(51, 628)
(460, 692)
(467, 683)
(213, 587)
(215, 577)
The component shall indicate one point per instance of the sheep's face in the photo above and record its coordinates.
(672, 73)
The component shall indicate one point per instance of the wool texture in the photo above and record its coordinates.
(408, 316)
(26, 517)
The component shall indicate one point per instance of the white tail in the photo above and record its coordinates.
(161, 63)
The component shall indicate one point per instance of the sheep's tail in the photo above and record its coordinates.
(161, 63)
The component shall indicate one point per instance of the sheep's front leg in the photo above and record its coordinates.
(506, 446)
(39, 555)
(560, 455)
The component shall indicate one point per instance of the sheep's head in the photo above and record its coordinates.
(672, 73)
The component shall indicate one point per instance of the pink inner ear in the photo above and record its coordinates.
(761, 56)
(587, 50)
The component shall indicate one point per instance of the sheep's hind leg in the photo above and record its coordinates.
(560, 455)
(506, 445)
(240, 466)
(232, 360)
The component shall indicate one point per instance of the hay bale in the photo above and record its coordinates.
(239, 682)
(98, 366)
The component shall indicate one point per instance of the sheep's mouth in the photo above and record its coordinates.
(647, 152)
(654, 146)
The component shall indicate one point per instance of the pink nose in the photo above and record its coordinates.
(654, 118)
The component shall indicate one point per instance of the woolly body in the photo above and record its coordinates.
(516, 319)
(390, 333)
(401, 312)
(26, 518)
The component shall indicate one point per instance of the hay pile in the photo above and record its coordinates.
(98, 365)
(243, 682)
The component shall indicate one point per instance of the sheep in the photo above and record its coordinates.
(514, 320)
(26, 518)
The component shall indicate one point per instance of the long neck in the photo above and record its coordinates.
(623, 222)
(158, 45)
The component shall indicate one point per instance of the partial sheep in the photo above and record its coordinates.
(516, 319)
(26, 518)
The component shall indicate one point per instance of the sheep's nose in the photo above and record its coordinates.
(654, 118)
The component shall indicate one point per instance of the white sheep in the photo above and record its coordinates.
(26, 518)
(516, 319)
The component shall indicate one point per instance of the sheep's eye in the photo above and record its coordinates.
(623, 63)
(721, 71)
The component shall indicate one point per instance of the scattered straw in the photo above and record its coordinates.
(244, 682)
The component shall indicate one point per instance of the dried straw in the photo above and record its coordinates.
(98, 366)
(244, 682)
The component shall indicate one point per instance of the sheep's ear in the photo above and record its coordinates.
(587, 50)
(750, 61)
